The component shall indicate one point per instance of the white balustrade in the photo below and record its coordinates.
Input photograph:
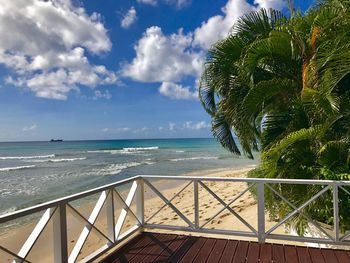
(111, 198)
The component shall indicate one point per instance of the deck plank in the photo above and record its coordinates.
(185, 246)
(164, 242)
(290, 253)
(342, 256)
(169, 253)
(329, 256)
(253, 253)
(216, 253)
(194, 249)
(265, 253)
(278, 253)
(129, 250)
(241, 252)
(204, 253)
(146, 249)
(156, 247)
(229, 251)
(316, 255)
(303, 255)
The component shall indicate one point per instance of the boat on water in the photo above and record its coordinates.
(56, 140)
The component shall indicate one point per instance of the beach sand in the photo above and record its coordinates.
(245, 206)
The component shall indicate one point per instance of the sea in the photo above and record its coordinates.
(35, 172)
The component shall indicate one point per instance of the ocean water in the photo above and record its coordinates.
(35, 172)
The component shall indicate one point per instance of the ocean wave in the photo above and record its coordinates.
(195, 158)
(58, 160)
(116, 168)
(26, 157)
(7, 169)
(179, 151)
(141, 148)
(130, 150)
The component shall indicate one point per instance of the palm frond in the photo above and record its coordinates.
(222, 131)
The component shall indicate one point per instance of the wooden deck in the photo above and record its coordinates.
(155, 247)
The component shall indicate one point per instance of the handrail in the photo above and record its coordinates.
(110, 198)
(246, 180)
(66, 199)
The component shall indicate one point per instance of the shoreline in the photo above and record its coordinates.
(245, 206)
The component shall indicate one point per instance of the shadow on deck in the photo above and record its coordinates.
(156, 247)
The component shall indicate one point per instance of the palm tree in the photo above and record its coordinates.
(283, 84)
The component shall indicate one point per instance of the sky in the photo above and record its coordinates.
(110, 69)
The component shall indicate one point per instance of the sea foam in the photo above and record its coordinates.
(26, 157)
(7, 169)
(130, 150)
(116, 168)
(58, 160)
(195, 158)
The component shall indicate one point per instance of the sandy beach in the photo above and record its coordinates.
(245, 206)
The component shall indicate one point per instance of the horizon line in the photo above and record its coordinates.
(121, 139)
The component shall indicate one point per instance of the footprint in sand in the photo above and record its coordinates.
(224, 215)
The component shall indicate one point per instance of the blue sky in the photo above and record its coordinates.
(109, 69)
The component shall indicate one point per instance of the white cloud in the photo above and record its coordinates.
(129, 18)
(163, 58)
(116, 130)
(44, 43)
(168, 59)
(177, 3)
(102, 95)
(275, 4)
(32, 127)
(172, 126)
(148, 2)
(196, 126)
(177, 91)
(218, 27)
(143, 130)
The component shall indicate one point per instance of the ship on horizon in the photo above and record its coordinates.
(56, 140)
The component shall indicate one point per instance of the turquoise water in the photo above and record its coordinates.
(35, 172)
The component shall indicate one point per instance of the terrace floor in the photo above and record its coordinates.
(156, 247)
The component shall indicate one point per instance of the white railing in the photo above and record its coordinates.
(128, 198)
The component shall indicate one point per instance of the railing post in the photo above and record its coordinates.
(336, 211)
(60, 234)
(110, 215)
(261, 212)
(196, 204)
(140, 201)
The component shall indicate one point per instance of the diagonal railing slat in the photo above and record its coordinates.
(14, 255)
(227, 206)
(165, 200)
(300, 212)
(170, 200)
(35, 234)
(87, 228)
(125, 206)
(124, 212)
(297, 210)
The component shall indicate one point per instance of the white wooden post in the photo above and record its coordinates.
(261, 212)
(110, 215)
(335, 211)
(59, 221)
(196, 204)
(140, 202)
